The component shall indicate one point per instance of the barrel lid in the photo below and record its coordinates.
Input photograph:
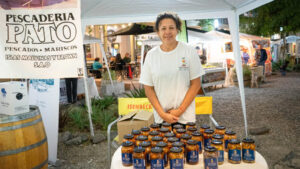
(209, 131)
(218, 136)
(136, 132)
(33, 111)
(191, 123)
(145, 144)
(142, 138)
(248, 140)
(154, 125)
(138, 149)
(156, 150)
(161, 144)
(220, 127)
(153, 133)
(173, 139)
(177, 144)
(163, 129)
(210, 149)
(165, 124)
(192, 142)
(181, 130)
(145, 129)
(230, 132)
(204, 126)
(196, 133)
(127, 144)
(217, 142)
(176, 150)
(186, 136)
(234, 141)
(169, 134)
(128, 136)
(157, 138)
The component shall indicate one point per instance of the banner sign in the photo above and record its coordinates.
(40, 39)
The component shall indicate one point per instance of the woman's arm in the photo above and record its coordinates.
(151, 95)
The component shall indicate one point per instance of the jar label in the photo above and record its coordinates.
(148, 158)
(207, 142)
(176, 164)
(157, 164)
(139, 163)
(221, 156)
(226, 144)
(200, 146)
(166, 159)
(210, 163)
(248, 155)
(192, 157)
(234, 155)
(126, 158)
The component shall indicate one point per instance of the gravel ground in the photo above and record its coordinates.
(275, 105)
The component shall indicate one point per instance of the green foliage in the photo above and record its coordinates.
(106, 75)
(136, 92)
(246, 71)
(104, 103)
(297, 68)
(276, 65)
(206, 24)
(78, 116)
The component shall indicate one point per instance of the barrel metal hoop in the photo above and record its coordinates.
(9, 119)
(41, 165)
(19, 150)
(20, 125)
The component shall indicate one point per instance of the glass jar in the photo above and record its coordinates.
(199, 138)
(129, 137)
(145, 131)
(248, 152)
(157, 158)
(190, 124)
(171, 140)
(219, 146)
(203, 128)
(228, 136)
(165, 149)
(154, 126)
(192, 156)
(190, 130)
(135, 133)
(127, 151)
(167, 125)
(168, 135)
(163, 131)
(220, 138)
(177, 126)
(210, 158)
(147, 146)
(152, 134)
(155, 140)
(220, 130)
(176, 158)
(181, 145)
(234, 151)
(140, 139)
(208, 133)
(180, 132)
(139, 158)
(184, 138)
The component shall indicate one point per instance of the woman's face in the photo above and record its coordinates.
(167, 31)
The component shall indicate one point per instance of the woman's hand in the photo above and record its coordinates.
(175, 112)
(170, 118)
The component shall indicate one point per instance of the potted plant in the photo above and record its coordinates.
(106, 87)
(246, 76)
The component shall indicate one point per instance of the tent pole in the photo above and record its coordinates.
(87, 95)
(233, 19)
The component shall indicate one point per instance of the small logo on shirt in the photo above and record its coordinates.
(183, 65)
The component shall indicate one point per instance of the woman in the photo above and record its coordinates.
(171, 74)
(97, 65)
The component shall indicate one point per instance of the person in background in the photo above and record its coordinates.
(97, 65)
(261, 57)
(246, 56)
(71, 87)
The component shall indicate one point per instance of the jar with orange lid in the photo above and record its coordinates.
(219, 137)
(192, 152)
(248, 152)
(135, 133)
(208, 133)
(199, 138)
(228, 136)
(181, 145)
(210, 157)
(234, 151)
(171, 140)
(203, 128)
(157, 158)
(163, 131)
(180, 132)
(184, 138)
(127, 151)
(155, 140)
(167, 125)
(153, 134)
(219, 146)
(220, 130)
(139, 158)
(190, 124)
(165, 149)
(147, 146)
(168, 135)
(145, 131)
(129, 137)
(190, 130)
(176, 127)
(154, 126)
(140, 139)
(176, 158)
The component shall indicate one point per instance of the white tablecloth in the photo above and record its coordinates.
(260, 163)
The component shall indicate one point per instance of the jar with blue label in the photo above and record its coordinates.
(184, 138)
(208, 133)
(157, 158)
(192, 156)
(248, 153)
(147, 146)
(220, 138)
(154, 126)
(168, 135)
(176, 158)
(190, 130)
(127, 151)
(220, 148)
(135, 133)
(145, 131)
(171, 140)
(155, 140)
(190, 124)
(220, 130)
(152, 134)
(167, 125)
(203, 128)
(139, 158)
(140, 139)
(234, 151)
(181, 145)
(165, 149)
(210, 157)
(176, 127)
(228, 136)
(199, 138)
(163, 131)
(180, 132)
(129, 137)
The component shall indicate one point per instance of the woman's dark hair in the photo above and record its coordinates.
(168, 15)
(97, 59)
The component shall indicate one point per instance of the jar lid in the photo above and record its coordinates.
(192, 142)
(164, 130)
(178, 144)
(127, 144)
(157, 138)
(192, 129)
(156, 150)
(138, 150)
(218, 136)
(165, 124)
(234, 141)
(153, 133)
(230, 132)
(173, 139)
(136, 132)
(191, 123)
(142, 138)
(154, 125)
(176, 150)
(196, 133)
(209, 131)
(145, 129)
(204, 126)
(248, 140)
(186, 136)
(161, 144)
(220, 127)
(128, 136)
(178, 126)
(181, 130)
(169, 134)
(145, 144)
(217, 142)
(210, 149)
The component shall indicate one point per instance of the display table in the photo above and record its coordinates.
(260, 163)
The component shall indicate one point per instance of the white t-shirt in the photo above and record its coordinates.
(170, 74)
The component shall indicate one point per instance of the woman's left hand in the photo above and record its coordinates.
(175, 112)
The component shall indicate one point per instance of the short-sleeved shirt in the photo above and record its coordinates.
(170, 74)
(97, 65)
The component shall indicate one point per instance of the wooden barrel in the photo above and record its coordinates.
(23, 141)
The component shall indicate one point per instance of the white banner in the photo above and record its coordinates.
(44, 93)
(40, 39)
